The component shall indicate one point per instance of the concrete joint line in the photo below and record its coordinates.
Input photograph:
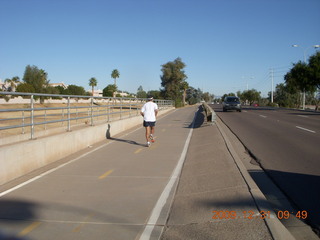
(276, 228)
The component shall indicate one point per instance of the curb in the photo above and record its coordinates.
(276, 228)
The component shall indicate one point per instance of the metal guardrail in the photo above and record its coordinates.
(210, 113)
(90, 111)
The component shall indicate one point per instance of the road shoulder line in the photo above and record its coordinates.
(150, 225)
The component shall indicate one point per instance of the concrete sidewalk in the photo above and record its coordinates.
(216, 198)
(120, 189)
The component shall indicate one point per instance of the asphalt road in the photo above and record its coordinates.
(286, 144)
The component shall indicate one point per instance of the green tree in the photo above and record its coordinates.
(141, 93)
(226, 95)
(284, 97)
(75, 90)
(193, 95)
(51, 90)
(314, 65)
(184, 86)
(109, 90)
(172, 79)
(12, 82)
(305, 77)
(155, 93)
(300, 78)
(92, 83)
(25, 87)
(207, 97)
(115, 74)
(36, 77)
(239, 94)
(251, 96)
(61, 90)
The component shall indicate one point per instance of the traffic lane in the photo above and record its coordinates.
(284, 120)
(307, 120)
(276, 140)
(287, 157)
(115, 186)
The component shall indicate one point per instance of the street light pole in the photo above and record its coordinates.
(247, 84)
(305, 61)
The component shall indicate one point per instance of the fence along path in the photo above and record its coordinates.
(45, 114)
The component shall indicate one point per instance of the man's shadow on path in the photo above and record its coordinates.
(108, 136)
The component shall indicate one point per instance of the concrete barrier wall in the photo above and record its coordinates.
(19, 159)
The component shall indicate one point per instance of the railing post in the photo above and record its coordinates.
(62, 117)
(121, 102)
(23, 132)
(91, 111)
(32, 116)
(45, 119)
(109, 109)
(69, 116)
(106, 111)
(76, 114)
(130, 108)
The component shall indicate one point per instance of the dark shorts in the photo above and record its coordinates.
(149, 124)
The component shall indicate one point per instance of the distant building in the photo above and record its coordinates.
(122, 94)
(96, 93)
(3, 86)
(65, 86)
(6, 87)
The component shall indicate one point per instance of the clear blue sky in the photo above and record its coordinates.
(226, 44)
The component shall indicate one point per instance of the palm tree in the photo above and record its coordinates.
(184, 87)
(115, 74)
(13, 82)
(93, 82)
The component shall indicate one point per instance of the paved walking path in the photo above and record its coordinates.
(120, 189)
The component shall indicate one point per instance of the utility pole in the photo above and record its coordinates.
(272, 85)
(272, 78)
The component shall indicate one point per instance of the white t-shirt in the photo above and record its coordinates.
(148, 111)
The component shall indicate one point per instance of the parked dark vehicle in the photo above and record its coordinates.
(231, 103)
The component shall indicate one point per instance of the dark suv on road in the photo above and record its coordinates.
(231, 103)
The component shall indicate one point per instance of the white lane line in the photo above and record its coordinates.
(303, 116)
(50, 171)
(305, 129)
(263, 116)
(165, 194)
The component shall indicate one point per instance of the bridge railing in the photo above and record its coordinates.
(41, 112)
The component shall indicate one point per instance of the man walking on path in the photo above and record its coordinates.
(149, 112)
